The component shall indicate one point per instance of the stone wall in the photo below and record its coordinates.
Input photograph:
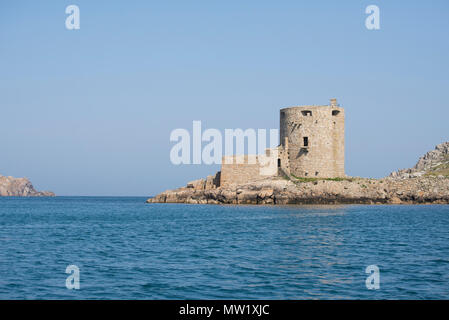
(283, 158)
(247, 168)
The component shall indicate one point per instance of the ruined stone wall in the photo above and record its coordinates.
(243, 169)
(268, 163)
(238, 170)
(315, 140)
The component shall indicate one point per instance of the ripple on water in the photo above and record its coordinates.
(129, 250)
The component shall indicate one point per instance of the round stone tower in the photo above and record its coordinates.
(313, 138)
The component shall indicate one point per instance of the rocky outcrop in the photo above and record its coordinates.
(433, 163)
(427, 182)
(319, 191)
(211, 182)
(20, 187)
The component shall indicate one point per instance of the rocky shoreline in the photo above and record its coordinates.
(20, 187)
(426, 183)
(278, 191)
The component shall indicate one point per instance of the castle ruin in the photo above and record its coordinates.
(312, 145)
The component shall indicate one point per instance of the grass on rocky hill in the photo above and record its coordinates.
(441, 170)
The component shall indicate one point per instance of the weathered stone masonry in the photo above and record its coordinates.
(314, 139)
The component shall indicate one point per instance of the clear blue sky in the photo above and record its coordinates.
(89, 112)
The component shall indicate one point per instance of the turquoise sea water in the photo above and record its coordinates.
(126, 249)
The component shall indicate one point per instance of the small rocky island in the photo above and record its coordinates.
(426, 183)
(20, 187)
(308, 167)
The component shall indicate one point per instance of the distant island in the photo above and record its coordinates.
(308, 167)
(20, 187)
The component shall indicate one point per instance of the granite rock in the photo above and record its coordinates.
(20, 187)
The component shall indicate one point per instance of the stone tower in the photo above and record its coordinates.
(313, 141)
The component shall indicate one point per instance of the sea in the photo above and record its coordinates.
(123, 248)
